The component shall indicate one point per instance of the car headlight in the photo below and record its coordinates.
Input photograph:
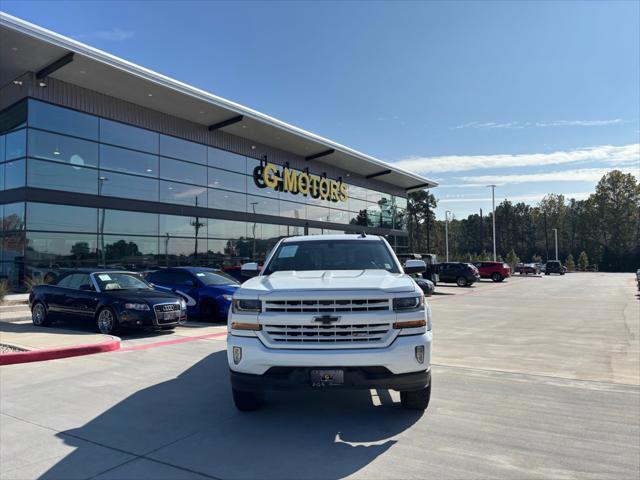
(242, 305)
(136, 306)
(183, 304)
(407, 304)
(228, 298)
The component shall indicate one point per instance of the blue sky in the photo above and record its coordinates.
(535, 97)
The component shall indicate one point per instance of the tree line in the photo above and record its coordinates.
(602, 230)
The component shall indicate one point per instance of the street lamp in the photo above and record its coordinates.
(555, 233)
(446, 234)
(493, 206)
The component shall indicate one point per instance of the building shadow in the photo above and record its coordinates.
(189, 422)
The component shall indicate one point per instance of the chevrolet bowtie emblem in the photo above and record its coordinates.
(326, 319)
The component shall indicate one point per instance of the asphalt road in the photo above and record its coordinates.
(533, 378)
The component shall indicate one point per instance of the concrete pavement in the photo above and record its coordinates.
(510, 399)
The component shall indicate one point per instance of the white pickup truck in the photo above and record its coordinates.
(330, 311)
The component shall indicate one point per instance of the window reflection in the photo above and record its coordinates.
(175, 251)
(16, 144)
(119, 185)
(128, 161)
(263, 205)
(225, 200)
(227, 180)
(49, 252)
(14, 117)
(317, 213)
(56, 176)
(171, 192)
(63, 120)
(227, 160)
(14, 174)
(129, 253)
(183, 149)
(58, 148)
(175, 225)
(43, 216)
(292, 210)
(127, 136)
(227, 228)
(12, 216)
(132, 223)
(182, 171)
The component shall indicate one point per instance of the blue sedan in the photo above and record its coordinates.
(207, 291)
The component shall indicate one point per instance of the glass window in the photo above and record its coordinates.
(128, 161)
(2, 147)
(121, 281)
(12, 216)
(128, 186)
(339, 216)
(183, 194)
(355, 191)
(228, 160)
(210, 277)
(14, 174)
(292, 210)
(373, 196)
(51, 251)
(179, 226)
(227, 180)
(182, 171)
(252, 188)
(14, 116)
(2, 176)
(400, 202)
(59, 148)
(182, 251)
(267, 231)
(225, 200)
(63, 120)
(263, 205)
(183, 149)
(16, 144)
(227, 228)
(356, 205)
(62, 177)
(65, 218)
(318, 213)
(127, 136)
(131, 223)
(12, 248)
(79, 280)
(130, 253)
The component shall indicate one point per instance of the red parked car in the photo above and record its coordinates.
(496, 271)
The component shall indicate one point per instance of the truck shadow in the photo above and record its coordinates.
(190, 423)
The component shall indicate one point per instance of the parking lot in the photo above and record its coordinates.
(535, 377)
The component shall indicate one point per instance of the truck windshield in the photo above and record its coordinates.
(332, 255)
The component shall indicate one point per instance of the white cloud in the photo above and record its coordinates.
(543, 124)
(616, 155)
(576, 175)
(534, 197)
(113, 35)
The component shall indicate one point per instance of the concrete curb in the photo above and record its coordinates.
(64, 352)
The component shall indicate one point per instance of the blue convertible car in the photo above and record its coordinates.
(207, 291)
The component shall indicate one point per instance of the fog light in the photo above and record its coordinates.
(419, 353)
(237, 355)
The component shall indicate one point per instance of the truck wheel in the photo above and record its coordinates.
(496, 277)
(247, 401)
(416, 400)
(39, 315)
(461, 281)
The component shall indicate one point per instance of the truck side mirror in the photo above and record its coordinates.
(250, 269)
(414, 266)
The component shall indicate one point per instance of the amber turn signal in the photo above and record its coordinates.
(245, 326)
(410, 324)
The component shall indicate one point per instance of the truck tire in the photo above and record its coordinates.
(247, 401)
(416, 399)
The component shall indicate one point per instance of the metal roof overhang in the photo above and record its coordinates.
(26, 47)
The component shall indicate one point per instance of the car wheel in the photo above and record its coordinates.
(546, 273)
(461, 281)
(208, 311)
(107, 321)
(39, 315)
(417, 399)
(247, 401)
(496, 277)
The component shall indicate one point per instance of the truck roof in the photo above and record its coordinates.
(344, 236)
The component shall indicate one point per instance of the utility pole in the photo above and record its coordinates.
(446, 234)
(493, 206)
(555, 233)
(481, 236)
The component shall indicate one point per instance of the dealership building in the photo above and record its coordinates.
(103, 162)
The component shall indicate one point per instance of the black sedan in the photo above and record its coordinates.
(108, 299)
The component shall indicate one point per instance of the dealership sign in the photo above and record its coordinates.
(285, 179)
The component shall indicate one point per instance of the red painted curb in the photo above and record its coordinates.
(64, 352)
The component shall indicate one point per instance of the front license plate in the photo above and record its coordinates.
(169, 315)
(327, 378)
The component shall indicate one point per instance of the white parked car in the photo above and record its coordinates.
(330, 311)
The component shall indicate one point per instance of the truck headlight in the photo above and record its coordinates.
(136, 306)
(407, 304)
(242, 305)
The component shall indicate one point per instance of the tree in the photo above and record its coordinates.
(80, 250)
(512, 259)
(420, 218)
(569, 263)
(583, 261)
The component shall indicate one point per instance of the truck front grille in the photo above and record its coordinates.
(327, 305)
(338, 334)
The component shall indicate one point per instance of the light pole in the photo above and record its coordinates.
(555, 234)
(101, 181)
(253, 255)
(493, 207)
(446, 234)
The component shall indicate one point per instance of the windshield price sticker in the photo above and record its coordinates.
(285, 179)
(104, 277)
(200, 274)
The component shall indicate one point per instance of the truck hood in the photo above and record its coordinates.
(328, 280)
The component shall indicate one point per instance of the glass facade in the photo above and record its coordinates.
(58, 149)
